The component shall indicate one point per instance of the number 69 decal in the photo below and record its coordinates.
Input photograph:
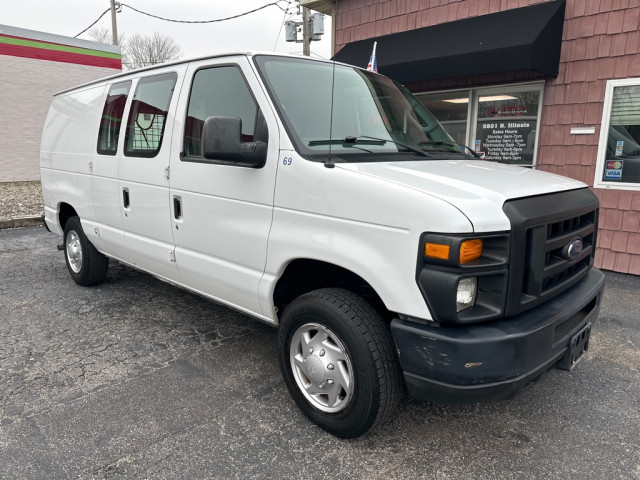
(287, 161)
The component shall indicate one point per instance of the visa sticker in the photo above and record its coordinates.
(478, 145)
(613, 169)
(619, 146)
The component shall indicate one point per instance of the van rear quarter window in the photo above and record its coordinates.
(148, 115)
(111, 119)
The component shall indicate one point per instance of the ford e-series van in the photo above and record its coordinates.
(327, 201)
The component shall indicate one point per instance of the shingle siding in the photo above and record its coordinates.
(395, 16)
(600, 42)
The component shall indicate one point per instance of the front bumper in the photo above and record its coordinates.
(494, 360)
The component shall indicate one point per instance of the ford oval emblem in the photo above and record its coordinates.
(574, 249)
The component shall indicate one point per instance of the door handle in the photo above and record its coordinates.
(125, 197)
(177, 208)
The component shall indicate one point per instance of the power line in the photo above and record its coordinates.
(319, 56)
(97, 20)
(211, 21)
(299, 52)
(284, 19)
(277, 4)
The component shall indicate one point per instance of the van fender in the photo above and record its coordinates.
(384, 257)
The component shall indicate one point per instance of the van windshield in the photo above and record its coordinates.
(355, 114)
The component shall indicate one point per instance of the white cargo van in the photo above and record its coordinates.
(327, 201)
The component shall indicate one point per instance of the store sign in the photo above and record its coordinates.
(613, 170)
(508, 141)
(507, 111)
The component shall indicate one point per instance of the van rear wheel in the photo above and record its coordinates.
(86, 265)
(336, 356)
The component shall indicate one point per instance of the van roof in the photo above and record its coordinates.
(179, 62)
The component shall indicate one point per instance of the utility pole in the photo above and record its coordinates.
(306, 33)
(114, 26)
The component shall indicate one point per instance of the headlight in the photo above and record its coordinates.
(464, 277)
(466, 294)
(470, 250)
(458, 251)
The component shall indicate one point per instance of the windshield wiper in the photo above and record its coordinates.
(400, 144)
(438, 143)
(473, 152)
(366, 140)
(346, 142)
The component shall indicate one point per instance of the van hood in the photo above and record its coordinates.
(478, 188)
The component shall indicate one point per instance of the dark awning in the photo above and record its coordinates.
(527, 38)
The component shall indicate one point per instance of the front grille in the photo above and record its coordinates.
(543, 227)
(555, 269)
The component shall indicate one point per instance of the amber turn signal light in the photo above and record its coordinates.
(437, 250)
(470, 250)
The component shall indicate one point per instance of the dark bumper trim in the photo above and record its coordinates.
(495, 360)
(435, 391)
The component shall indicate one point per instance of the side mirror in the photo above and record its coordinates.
(222, 141)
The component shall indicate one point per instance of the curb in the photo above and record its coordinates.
(18, 221)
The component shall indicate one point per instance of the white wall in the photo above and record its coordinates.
(26, 89)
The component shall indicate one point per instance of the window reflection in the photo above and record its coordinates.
(451, 111)
(505, 121)
(506, 127)
(622, 159)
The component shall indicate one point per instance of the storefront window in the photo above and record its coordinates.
(506, 126)
(499, 123)
(451, 109)
(619, 152)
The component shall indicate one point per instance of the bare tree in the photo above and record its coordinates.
(100, 34)
(140, 50)
(144, 50)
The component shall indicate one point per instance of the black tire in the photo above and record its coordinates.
(86, 265)
(357, 330)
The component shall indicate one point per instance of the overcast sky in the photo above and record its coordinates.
(257, 31)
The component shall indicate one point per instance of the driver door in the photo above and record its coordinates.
(221, 213)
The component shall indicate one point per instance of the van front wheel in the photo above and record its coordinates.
(86, 265)
(338, 362)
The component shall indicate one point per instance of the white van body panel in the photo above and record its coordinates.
(221, 238)
(478, 188)
(146, 221)
(65, 160)
(107, 199)
(367, 225)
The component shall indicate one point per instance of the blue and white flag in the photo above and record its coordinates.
(373, 61)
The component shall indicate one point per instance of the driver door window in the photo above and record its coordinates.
(221, 92)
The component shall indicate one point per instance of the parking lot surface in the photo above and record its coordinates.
(138, 379)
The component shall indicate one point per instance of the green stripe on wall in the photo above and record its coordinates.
(60, 48)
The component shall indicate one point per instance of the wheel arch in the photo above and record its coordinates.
(65, 212)
(303, 275)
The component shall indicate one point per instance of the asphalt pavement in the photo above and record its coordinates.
(138, 379)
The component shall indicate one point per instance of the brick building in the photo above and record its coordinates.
(552, 85)
(34, 66)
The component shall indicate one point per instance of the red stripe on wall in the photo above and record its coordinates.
(58, 56)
